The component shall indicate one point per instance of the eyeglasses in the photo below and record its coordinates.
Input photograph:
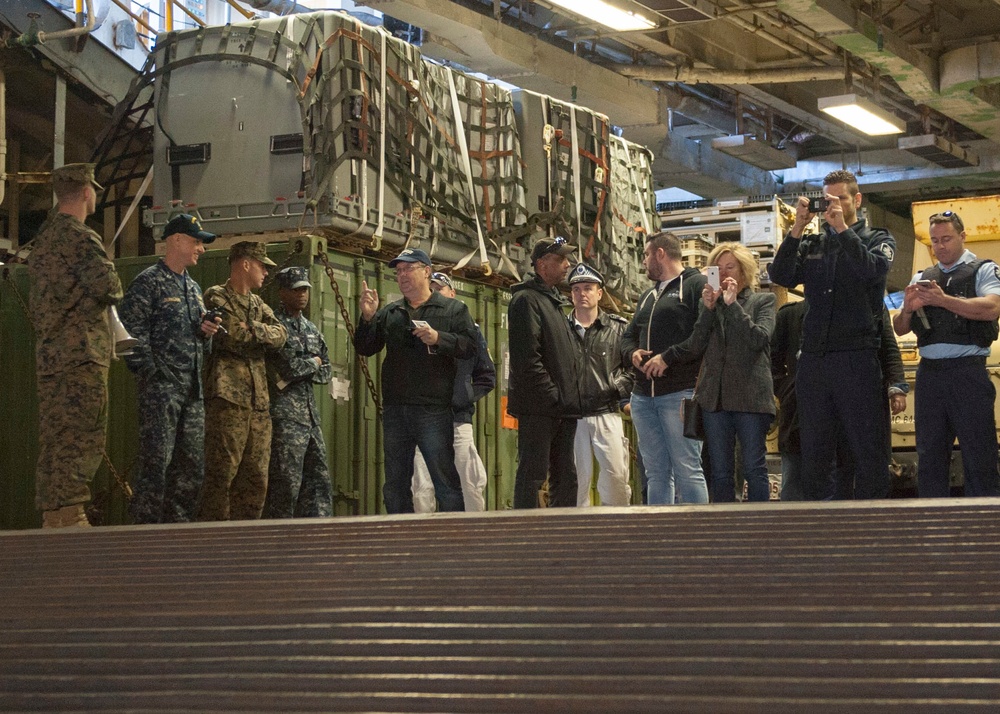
(948, 217)
(408, 268)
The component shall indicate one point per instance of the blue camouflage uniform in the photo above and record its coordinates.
(298, 476)
(163, 311)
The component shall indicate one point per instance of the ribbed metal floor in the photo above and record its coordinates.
(892, 607)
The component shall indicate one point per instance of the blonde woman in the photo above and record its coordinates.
(735, 390)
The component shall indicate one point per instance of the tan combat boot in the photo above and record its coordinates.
(66, 517)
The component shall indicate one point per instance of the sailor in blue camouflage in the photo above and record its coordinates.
(298, 477)
(164, 311)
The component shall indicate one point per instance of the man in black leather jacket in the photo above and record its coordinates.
(605, 380)
(543, 392)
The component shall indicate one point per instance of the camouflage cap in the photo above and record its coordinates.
(292, 278)
(249, 249)
(76, 173)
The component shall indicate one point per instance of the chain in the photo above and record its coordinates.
(17, 294)
(272, 275)
(122, 483)
(350, 328)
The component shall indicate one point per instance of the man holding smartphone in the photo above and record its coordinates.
(843, 269)
(957, 303)
(423, 334)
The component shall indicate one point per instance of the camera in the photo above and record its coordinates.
(818, 205)
(211, 315)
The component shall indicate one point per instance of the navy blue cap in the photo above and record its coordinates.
(188, 225)
(442, 279)
(410, 255)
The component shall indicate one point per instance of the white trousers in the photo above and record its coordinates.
(470, 470)
(602, 436)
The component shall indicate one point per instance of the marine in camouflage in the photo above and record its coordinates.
(163, 310)
(72, 285)
(237, 421)
(298, 477)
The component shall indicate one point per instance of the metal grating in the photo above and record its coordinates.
(888, 607)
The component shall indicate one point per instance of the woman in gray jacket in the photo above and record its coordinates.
(735, 389)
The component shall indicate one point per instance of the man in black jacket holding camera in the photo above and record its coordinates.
(839, 381)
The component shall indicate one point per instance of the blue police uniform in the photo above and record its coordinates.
(163, 311)
(839, 381)
(954, 393)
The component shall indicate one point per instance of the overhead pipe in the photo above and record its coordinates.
(44, 37)
(723, 76)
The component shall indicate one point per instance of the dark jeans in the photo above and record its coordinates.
(545, 447)
(840, 394)
(954, 397)
(404, 428)
(722, 429)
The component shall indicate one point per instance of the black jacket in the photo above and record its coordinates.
(844, 279)
(475, 378)
(543, 355)
(412, 372)
(664, 323)
(605, 380)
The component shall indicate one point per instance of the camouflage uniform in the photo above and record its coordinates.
(163, 310)
(237, 423)
(72, 285)
(298, 477)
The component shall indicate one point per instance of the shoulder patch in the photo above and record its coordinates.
(996, 271)
(887, 251)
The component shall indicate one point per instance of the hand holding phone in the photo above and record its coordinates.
(925, 283)
(712, 273)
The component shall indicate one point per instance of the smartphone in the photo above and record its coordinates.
(818, 205)
(712, 272)
(925, 283)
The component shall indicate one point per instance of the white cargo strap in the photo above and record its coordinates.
(131, 209)
(575, 163)
(484, 259)
(634, 181)
(380, 212)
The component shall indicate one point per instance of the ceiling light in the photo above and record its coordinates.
(754, 152)
(607, 14)
(938, 150)
(862, 114)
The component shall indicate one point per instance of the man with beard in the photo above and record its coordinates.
(843, 270)
(656, 345)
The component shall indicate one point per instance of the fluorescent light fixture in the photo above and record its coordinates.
(607, 14)
(862, 114)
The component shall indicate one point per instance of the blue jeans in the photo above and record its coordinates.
(404, 428)
(672, 461)
(722, 429)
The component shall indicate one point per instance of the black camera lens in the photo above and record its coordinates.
(818, 205)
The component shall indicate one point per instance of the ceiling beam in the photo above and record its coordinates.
(724, 76)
